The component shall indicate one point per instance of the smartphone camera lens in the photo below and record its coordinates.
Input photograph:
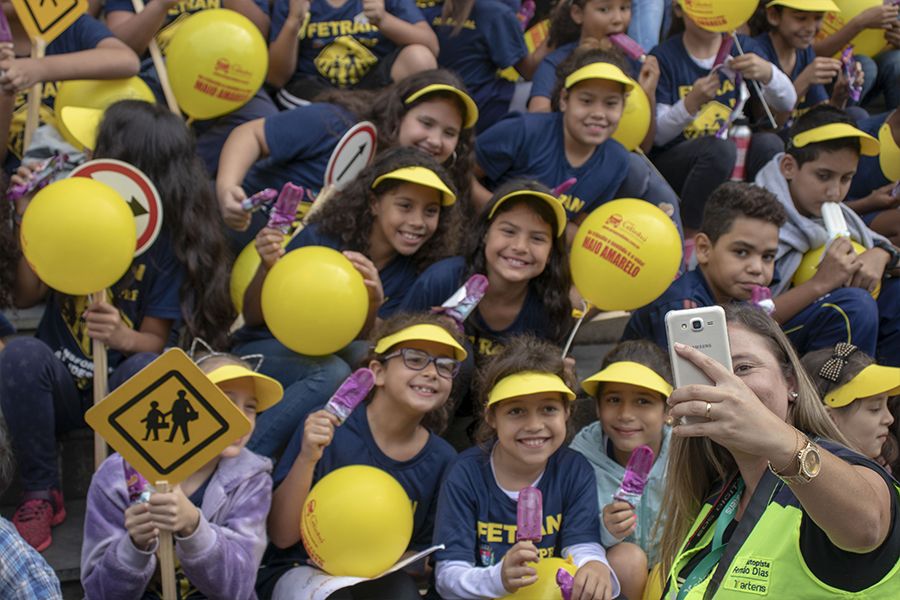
(697, 324)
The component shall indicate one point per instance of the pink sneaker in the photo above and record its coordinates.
(37, 514)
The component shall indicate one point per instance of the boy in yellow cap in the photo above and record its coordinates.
(836, 304)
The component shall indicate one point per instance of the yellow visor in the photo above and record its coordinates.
(551, 201)
(526, 383)
(268, 391)
(420, 176)
(600, 70)
(82, 123)
(471, 116)
(425, 332)
(628, 372)
(807, 5)
(871, 381)
(869, 146)
(890, 153)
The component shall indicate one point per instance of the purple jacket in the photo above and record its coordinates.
(220, 558)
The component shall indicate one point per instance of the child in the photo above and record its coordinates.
(631, 390)
(555, 147)
(391, 222)
(692, 104)
(317, 45)
(217, 515)
(855, 392)
(526, 408)
(835, 304)
(735, 249)
(430, 111)
(415, 359)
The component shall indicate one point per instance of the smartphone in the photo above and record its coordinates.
(705, 330)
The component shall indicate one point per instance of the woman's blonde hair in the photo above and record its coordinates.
(697, 465)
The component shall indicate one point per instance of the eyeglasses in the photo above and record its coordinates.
(418, 360)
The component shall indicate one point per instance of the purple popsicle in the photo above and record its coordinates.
(636, 474)
(529, 514)
(259, 199)
(566, 582)
(628, 46)
(285, 210)
(138, 487)
(353, 391)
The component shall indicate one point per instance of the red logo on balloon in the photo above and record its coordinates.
(311, 507)
(615, 220)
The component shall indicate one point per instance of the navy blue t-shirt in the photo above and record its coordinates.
(490, 40)
(353, 444)
(149, 289)
(816, 94)
(440, 280)
(476, 520)
(678, 72)
(341, 45)
(532, 146)
(300, 143)
(6, 328)
(544, 81)
(869, 175)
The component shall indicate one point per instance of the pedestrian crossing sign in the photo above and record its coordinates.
(169, 419)
(46, 19)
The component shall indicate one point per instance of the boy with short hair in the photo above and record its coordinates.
(735, 250)
(822, 157)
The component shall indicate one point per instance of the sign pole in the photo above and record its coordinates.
(160, 66)
(38, 47)
(98, 353)
(165, 553)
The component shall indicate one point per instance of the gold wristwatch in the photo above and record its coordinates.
(810, 464)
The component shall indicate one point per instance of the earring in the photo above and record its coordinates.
(794, 396)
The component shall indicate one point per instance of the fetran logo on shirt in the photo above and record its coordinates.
(573, 204)
(345, 61)
(712, 115)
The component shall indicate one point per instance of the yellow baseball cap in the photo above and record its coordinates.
(600, 70)
(471, 116)
(552, 201)
(420, 176)
(425, 332)
(268, 391)
(807, 5)
(628, 372)
(82, 123)
(890, 153)
(528, 382)
(869, 146)
(871, 381)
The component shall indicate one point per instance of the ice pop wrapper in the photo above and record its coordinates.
(259, 199)
(5, 31)
(630, 47)
(833, 217)
(464, 300)
(139, 489)
(526, 13)
(43, 174)
(849, 65)
(353, 391)
(529, 514)
(565, 186)
(285, 210)
(724, 50)
(566, 582)
(636, 474)
(761, 297)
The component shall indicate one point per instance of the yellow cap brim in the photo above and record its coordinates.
(425, 332)
(527, 383)
(552, 201)
(871, 381)
(869, 146)
(807, 5)
(268, 391)
(471, 116)
(82, 123)
(628, 372)
(421, 176)
(889, 158)
(600, 70)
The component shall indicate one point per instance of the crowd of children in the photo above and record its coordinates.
(496, 127)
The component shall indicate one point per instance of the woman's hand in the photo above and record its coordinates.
(822, 71)
(871, 270)
(19, 74)
(752, 66)
(619, 519)
(318, 431)
(703, 91)
(140, 526)
(839, 264)
(593, 581)
(104, 324)
(648, 78)
(233, 214)
(270, 246)
(370, 275)
(514, 571)
(173, 511)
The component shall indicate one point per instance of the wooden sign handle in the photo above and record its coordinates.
(165, 554)
(100, 384)
(160, 66)
(38, 47)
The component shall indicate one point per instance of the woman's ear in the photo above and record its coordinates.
(577, 14)
(789, 167)
(489, 417)
(563, 100)
(702, 248)
(377, 368)
(374, 203)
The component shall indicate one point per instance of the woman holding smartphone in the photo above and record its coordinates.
(763, 495)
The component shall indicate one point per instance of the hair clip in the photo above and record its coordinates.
(832, 368)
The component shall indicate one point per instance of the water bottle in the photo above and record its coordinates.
(740, 134)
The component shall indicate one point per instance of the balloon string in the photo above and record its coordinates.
(585, 309)
(755, 84)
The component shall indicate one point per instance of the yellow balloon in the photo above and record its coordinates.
(635, 121)
(545, 588)
(719, 15)
(217, 61)
(92, 93)
(78, 235)
(357, 521)
(314, 301)
(654, 588)
(868, 42)
(810, 264)
(625, 254)
(242, 272)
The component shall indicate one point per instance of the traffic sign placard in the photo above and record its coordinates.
(169, 419)
(136, 189)
(46, 19)
(351, 155)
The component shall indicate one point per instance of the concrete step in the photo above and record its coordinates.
(64, 554)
